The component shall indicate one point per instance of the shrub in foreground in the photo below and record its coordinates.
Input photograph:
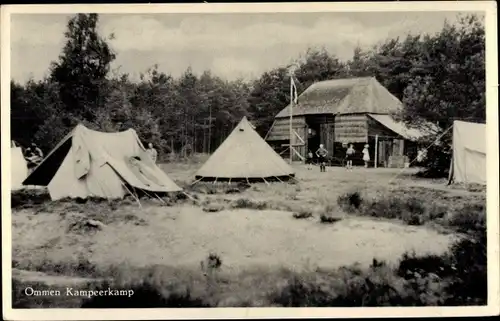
(328, 218)
(469, 218)
(303, 214)
(249, 204)
(350, 202)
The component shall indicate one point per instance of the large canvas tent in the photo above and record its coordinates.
(19, 167)
(88, 163)
(468, 164)
(244, 155)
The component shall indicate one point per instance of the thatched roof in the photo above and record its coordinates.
(345, 96)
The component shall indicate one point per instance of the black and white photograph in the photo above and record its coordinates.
(240, 156)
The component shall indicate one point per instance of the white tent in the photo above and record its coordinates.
(468, 164)
(19, 167)
(244, 155)
(90, 163)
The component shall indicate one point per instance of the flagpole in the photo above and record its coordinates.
(291, 112)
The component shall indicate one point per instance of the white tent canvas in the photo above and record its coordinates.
(469, 153)
(88, 163)
(19, 167)
(244, 155)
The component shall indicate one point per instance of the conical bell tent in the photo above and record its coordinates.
(245, 156)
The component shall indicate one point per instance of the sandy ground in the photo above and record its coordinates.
(242, 238)
(184, 235)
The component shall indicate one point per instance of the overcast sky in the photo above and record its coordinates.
(230, 45)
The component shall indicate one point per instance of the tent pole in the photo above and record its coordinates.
(136, 194)
(376, 151)
(248, 182)
(190, 197)
(265, 181)
(133, 195)
(158, 197)
(278, 179)
(450, 172)
(229, 183)
(196, 181)
(215, 181)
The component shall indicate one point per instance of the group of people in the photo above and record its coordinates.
(322, 153)
(33, 155)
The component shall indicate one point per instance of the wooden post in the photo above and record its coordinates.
(376, 151)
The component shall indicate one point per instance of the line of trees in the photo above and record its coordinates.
(438, 77)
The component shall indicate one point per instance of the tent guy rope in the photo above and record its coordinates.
(436, 140)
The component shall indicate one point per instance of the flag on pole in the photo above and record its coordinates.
(294, 98)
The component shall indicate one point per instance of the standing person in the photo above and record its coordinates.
(152, 152)
(366, 155)
(349, 155)
(309, 160)
(321, 153)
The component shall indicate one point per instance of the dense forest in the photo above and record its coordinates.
(439, 78)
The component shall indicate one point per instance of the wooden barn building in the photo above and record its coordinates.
(346, 111)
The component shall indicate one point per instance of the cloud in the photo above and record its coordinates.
(233, 67)
(232, 45)
(199, 33)
(35, 43)
(27, 30)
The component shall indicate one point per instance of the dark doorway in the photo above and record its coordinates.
(313, 137)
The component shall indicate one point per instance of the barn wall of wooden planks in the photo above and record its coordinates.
(336, 130)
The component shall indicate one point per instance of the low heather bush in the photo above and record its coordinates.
(303, 214)
(250, 204)
(350, 202)
(469, 218)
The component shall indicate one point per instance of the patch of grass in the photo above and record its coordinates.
(79, 266)
(350, 202)
(469, 218)
(218, 188)
(468, 285)
(28, 198)
(145, 295)
(411, 265)
(394, 207)
(213, 208)
(328, 218)
(303, 214)
(414, 210)
(249, 204)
